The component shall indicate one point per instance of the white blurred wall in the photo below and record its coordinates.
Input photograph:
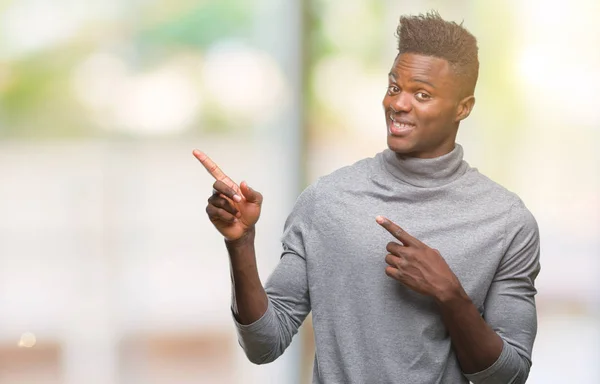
(106, 252)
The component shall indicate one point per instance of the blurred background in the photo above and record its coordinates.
(110, 271)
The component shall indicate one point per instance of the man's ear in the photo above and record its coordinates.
(465, 106)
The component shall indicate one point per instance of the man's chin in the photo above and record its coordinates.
(400, 145)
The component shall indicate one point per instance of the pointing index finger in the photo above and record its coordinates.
(214, 169)
(210, 165)
(396, 231)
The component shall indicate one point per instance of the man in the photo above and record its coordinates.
(448, 297)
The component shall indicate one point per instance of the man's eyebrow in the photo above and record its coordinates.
(417, 80)
(414, 79)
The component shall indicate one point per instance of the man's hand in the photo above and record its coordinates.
(232, 209)
(419, 267)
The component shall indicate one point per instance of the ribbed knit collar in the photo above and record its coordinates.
(426, 173)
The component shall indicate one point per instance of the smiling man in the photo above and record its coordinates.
(417, 268)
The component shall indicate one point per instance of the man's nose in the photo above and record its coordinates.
(402, 102)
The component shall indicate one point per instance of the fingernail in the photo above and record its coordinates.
(237, 198)
(380, 219)
(235, 220)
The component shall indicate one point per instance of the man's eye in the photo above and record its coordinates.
(422, 96)
(393, 89)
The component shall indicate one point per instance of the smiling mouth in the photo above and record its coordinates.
(400, 127)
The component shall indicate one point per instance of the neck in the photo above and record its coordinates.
(429, 172)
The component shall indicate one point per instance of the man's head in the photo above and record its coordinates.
(431, 85)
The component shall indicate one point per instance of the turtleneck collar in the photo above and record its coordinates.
(426, 173)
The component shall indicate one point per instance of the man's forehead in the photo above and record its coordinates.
(420, 62)
(417, 66)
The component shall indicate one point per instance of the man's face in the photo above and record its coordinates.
(423, 106)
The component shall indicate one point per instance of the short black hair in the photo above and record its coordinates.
(430, 35)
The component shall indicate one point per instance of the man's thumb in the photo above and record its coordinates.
(250, 194)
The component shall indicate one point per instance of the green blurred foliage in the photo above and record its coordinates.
(503, 111)
(36, 98)
(37, 101)
(361, 40)
(198, 26)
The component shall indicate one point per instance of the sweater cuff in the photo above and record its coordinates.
(497, 372)
(255, 326)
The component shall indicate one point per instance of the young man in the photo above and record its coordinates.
(448, 297)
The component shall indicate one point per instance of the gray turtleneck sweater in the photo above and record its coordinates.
(370, 328)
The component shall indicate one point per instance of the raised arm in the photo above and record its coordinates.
(234, 211)
(266, 319)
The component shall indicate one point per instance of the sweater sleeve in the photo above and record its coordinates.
(287, 290)
(510, 304)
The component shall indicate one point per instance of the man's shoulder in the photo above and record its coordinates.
(352, 174)
(329, 186)
(517, 213)
(490, 188)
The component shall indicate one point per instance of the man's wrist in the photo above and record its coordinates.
(452, 296)
(246, 239)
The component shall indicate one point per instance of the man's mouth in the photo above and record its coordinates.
(400, 126)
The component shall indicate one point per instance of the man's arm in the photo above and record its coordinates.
(249, 300)
(496, 348)
(510, 304)
(234, 211)
(264, 338)
(266, 320)
(476, 345)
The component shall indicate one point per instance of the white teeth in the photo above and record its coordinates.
(401, 126)
(398, 124)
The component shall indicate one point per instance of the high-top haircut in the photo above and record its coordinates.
(430, 35)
